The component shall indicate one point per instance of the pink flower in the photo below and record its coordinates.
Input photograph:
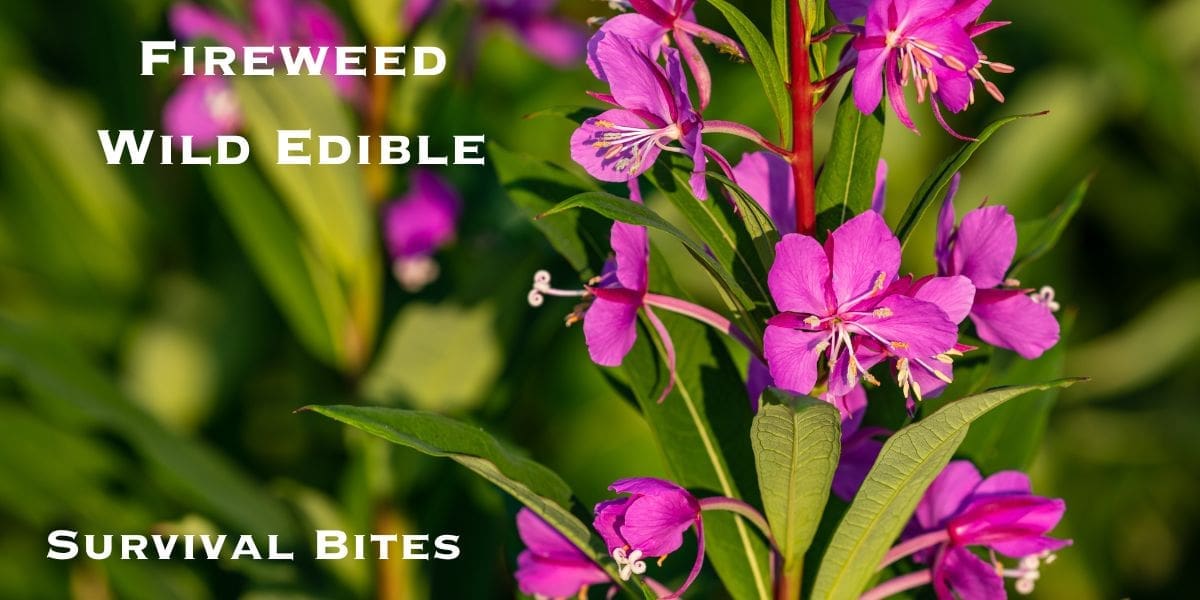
(981, 249)
(835, 297)
(550, 566)
(648, 26)
(999, 513)
(653, 111)
(648, 523)
(417, 224)
(557, 41)
(205, 106)
(928, 42)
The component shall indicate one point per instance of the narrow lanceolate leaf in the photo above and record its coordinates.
(797, 441)
(703, 429)
(763, 58)
(848, 180)
(535, 486)
(269, 238)
(625, 211)
(535, 186)
(908, 463)
(934, 186)
(1037, 237)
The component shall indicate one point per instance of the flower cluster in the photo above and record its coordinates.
(844, 315)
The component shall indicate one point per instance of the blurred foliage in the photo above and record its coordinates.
(150, 356)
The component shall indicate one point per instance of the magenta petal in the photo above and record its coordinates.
(968, 576)
(544, 540)
(879, 196)
(602, 161)
(946, 494)
(767, 178)
(913, 328)
(558, 42)
(863, 253)
(645, 486)
(645, 34)
(945, 228)
(631, 246)
(541, 577)
(1011, 319)
(609, 516)
(868, 78)
(859, 452)
(895, 94)
(273, 20)
(610, 329)
(424, 219)
(758, 379)
(799, 277)
(792, 357)
(847, 11)
(1005, 482)
(984, 246)
(1012, 525)
(954, 295)
(655, 524)
(642, 85)
(204, 108)
(191, 22)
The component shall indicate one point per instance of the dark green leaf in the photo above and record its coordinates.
(1037, 237)
(535, 186)
(575, 114)
(532, 484)
(932, 188)
(797, 441)
(269, 237)
(847, 182)
(763, 58)
(57, 375)
(908, 463)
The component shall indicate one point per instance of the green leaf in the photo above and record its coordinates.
(797, 441)
(932, 188)
(908, 463)
(60, 378)
(847, 182)
(379, 19)
(779, 35)
(703, 429)
(1037, 237)
(535, 486)
(572, 113)
(276, 249)
(328, 202)
(626, 211)
(763, 58)
(1009, 436)
(535, 186)
(745, 247)
(442, 358)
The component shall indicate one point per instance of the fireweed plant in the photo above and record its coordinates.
(837, 315)
(829, 370)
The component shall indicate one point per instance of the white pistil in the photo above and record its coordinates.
(1027, 572)
(1045, 297)
(628, 564)
(541, 289)
(221, 104)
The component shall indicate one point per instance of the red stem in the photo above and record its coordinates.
(802, 121)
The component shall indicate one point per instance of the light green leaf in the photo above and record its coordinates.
(328, 202)
(932, 188)
(379, 19)
(529, 482)
(763, 58)
(908, 463)
(847, 181)
(1037, 237)
(269, 238)
(441, 358)
(797, 441)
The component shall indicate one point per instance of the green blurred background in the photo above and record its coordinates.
(150, 364)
